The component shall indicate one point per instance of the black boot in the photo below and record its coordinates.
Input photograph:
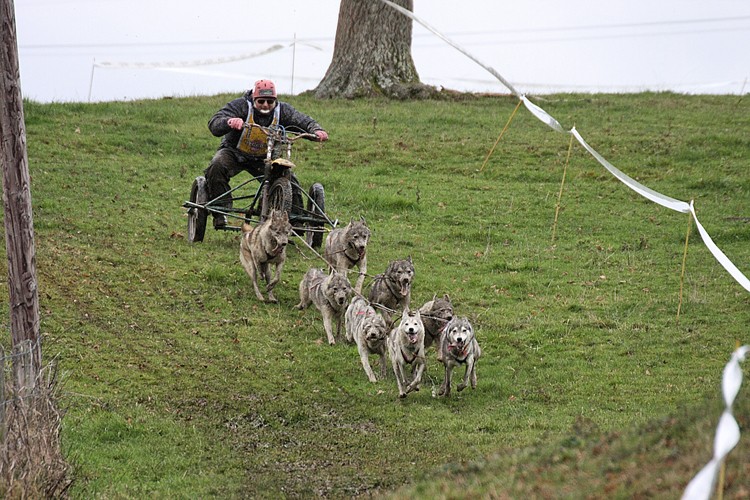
(220, 221)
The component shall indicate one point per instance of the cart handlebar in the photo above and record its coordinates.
(281, 134)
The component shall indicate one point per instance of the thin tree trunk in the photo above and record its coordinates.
(19, 228)
(372, 52)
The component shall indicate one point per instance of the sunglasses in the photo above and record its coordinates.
(265, 101)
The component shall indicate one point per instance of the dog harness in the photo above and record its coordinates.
(353, 261)
(318, 283)
(276, 252)
(460, 355)
(254, 141)
(406, 357)
(391, 283)
(439, 331)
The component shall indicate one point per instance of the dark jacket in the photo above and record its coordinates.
(238, 108)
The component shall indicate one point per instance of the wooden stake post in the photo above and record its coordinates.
(19, 228)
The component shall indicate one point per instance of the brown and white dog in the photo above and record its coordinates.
(262, 246)
(459, 346)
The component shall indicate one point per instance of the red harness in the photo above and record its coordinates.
(459, 354)
(406, 356)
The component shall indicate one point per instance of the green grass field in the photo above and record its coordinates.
(180, 384)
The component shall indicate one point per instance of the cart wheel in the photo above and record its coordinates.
(197, 216)
(316, 205)
(280, 195)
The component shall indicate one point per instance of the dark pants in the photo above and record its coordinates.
(225, 164)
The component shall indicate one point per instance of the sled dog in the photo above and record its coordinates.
(368, 330)
(392, 289)
(459, 346)
(330, 294)
(346, 247)
(262, 246)
(406, 347)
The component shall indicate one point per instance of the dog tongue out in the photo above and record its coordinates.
(405, 289)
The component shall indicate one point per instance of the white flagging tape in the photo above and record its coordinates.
(547, 119)
(673, 204)
(656, 197)
(543, 116)
(727, 431)
(188, 64)
(450, 42)
(719, 255)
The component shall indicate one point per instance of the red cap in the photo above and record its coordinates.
(264, 88)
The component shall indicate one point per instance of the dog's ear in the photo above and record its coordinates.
(362, 218)
(409, 259)
(446, 297)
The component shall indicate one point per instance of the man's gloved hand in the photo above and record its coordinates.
(322, 135)
(236, 123)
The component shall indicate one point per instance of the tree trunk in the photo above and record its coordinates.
(372, 53)
(19, 228)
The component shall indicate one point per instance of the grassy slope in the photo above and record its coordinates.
(180, 384)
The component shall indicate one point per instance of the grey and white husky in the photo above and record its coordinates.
(367, 328)
(406, 347)
(459, 346)
(346, 247)
(392, 289)
(436, 314)
(262, 246)
(330, 293)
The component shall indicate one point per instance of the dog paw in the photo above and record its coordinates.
(460, 387)
(401, 395)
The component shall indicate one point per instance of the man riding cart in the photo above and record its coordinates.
(242, 125)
